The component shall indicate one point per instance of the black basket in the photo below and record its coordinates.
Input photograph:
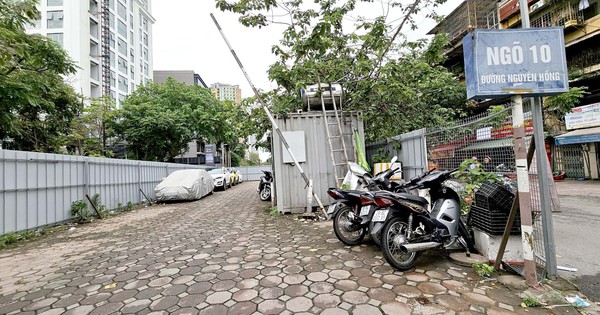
(494, 196)
(492, 223)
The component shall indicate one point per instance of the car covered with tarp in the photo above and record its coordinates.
(181, 185)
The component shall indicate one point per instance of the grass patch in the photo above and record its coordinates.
(12, 239)
(483, 269)
(530, 301)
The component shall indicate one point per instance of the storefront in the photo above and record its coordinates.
(578, 151)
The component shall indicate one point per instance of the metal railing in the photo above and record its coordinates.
(560, 14)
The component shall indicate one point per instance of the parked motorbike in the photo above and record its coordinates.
(353, 208)
(410, 228)
(264, 186)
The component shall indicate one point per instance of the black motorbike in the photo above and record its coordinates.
(354, 208)
(410, 228)
(264, 186)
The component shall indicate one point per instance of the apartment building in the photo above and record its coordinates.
(186, 76)
(225, 92)
(575, 150)
(97, 33)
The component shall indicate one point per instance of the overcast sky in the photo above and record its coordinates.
(185, 38)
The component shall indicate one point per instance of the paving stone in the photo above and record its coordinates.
(334, 311)
(407, 291)
(81, 310)
(164, 303)
(223, 285)
(325, 301)
(298, 304)
(271, 293)
(431, 288)
(296, 290)
(214, 310)
(355, 297)
(346, 285)
(452, 302)
(395, 308)
(366, 310)
(381, 294)
(107, 308)
(321, 287)
(199, 287)
(245, 295)
(478, 299)
(416, 277)
(370, 282)
(271, 307)
(294, 279)
(339, 274)
(218, 297)
(243, 308)
(191, 300)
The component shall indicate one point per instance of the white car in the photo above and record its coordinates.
(222, 178)
(184, 185)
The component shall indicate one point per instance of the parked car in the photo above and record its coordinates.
(240, 177)
(222, 178)
(235, 176)
(185, 185)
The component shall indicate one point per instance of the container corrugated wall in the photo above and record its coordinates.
(290, 189)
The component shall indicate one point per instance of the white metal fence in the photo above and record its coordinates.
(37, 189)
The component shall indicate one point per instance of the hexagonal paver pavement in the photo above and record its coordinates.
(225, 254)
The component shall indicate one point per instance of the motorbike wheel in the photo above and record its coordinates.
(265, 193)
(391, 235)
(341, 228)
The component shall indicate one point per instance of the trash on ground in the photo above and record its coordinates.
(577, 301)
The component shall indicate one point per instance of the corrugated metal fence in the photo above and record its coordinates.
(38, 189)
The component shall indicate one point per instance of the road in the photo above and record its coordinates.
(225, 254)
(576, 232)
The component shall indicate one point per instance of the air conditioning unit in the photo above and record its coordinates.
(536, 6)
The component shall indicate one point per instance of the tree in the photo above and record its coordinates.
(92, 130)
(36, 105)
(399, 85)
(158, 120)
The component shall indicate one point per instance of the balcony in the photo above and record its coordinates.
(467, 16)
(560, 14)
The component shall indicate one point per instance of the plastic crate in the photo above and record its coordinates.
(495, 197)
(492, 223)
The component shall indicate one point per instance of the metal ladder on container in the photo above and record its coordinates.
(338, 165)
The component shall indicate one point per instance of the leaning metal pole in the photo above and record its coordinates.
(266, 109)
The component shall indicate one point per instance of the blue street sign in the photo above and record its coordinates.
(530, 61)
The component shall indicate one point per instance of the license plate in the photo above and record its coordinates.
(331, 208)
(365, 210)
(380, 215)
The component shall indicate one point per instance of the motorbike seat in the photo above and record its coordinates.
(411, 198)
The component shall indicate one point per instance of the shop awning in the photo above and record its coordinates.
(579, 136)
(491, 144)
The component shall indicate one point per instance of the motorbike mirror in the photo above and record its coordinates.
(394, 159)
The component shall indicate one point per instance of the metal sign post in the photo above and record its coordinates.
(266, 109)
(542, 169)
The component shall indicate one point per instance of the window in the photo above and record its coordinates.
(131, 55)
(123, 84)
(55, 19)
(111, 39)
(111, 4)
(146, 54)
(145, 24)
(93, 7)
(131, 21)
(112, 59)
(111, 20)
(121, 98)
(122, 47)
(54, 3)
(145, 39)
(122, 65)
(132, 72)
(113, 80)
(122, 10)
(93, 28)
(94, 71)
(132, 87)
(57, 37)
(122, 28)
(94, 49)
(146, 69)
(131, 38)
